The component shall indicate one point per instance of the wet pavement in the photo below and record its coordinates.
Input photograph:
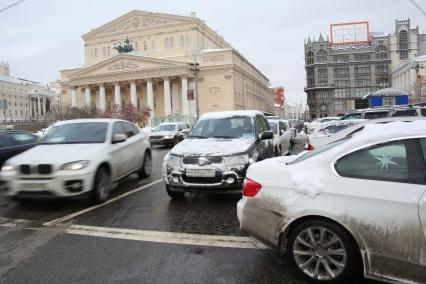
(140, 236)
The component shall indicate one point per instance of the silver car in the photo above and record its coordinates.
(355, 204)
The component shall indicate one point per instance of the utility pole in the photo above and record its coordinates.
(195, 68)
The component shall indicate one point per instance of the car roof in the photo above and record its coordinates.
(87, 120)
(223, 114)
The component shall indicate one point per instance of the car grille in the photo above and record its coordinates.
(192, 160)
(42, 169)
(202, 180)
(155, 137)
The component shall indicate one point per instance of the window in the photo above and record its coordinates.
(339, 106)
(182, 41)
(341, 93)
(381, 53)
(388, 101)
(341, 58)
(362, 69)
(322, 56)
(423, 146)
(322, 76)
(310, 58)
(96, 52)
(167, 43)
(145, 45)
(172, 44)
(108, 50)
(382, 68)
(403, 44)
(362, 57)
(394, 161)
(130, 129)
(152, 44)
(118, 129)
(320, 150)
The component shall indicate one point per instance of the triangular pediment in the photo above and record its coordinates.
(136, 20)
(126, 62)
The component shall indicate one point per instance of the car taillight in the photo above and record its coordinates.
(251, 188)
(310, 147)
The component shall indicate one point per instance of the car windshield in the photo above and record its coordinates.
(320, 150)
(165, 127)
(405, 112)
(227, 127)
(77, 133)
(273, 125)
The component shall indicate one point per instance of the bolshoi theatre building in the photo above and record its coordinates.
(158, 74)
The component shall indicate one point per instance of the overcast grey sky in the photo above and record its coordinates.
(39, 37)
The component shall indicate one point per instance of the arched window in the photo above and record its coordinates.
(381, 52)
(172, 43)
(310, 58)
(322, 56)
(167, 43)
(145, 45)
(403, 44)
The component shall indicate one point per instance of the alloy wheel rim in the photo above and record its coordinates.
(319, 253)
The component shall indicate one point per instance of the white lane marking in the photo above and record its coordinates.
(166, 237)
(12, 223)
(70, 216)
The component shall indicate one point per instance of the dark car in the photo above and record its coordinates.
(13, 142)
(169, 133)
(217, 152)
(368, 114)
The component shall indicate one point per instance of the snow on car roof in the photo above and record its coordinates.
(223, 114)
(86, 120)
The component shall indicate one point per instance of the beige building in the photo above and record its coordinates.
(22, 100)
(157, 73)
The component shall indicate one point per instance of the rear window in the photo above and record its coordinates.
(423, 111)
(374, 115)
(405, 112)
(273, 126)
(320, 150)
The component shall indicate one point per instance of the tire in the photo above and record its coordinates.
(174, 194)
(146, 168)
(314, 261)
(102, 186)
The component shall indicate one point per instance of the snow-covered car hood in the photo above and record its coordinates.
(162, 133)
(212, 147)
(57, 154)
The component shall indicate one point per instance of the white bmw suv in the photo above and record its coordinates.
(76, 157)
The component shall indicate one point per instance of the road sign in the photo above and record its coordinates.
(190, 94)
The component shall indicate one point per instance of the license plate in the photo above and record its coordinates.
(200, 173)
(32, 186)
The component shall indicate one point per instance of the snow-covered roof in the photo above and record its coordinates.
(224, 114)
(387, 92)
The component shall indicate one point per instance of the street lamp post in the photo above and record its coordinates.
(195, 68)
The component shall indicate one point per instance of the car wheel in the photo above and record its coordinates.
(102, 186)
(323, 252)
(146, 168)
(173, 193)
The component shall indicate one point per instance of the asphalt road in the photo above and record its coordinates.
(139, 236)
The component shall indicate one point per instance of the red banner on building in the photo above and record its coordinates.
(279, 96)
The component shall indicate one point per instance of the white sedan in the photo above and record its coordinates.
(283, 136)
(78, 156)
(357, 204)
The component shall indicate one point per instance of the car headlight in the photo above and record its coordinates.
(74, 166)
(168, 136)
(7, 168)
(232, 161)
(174, 161)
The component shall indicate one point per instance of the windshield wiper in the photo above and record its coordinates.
(224, 136)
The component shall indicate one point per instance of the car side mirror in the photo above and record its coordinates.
(119, 138)
(281, 132)
(265, 135)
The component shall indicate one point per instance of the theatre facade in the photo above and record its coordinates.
(157, 73)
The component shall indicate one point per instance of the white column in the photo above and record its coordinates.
(38, 106)
(73, 98)
(87, 100)
(117, 94)
(150, 96)
(102, 97)
(167, 98)
(185, 105)
(175, 99)
(44, 105)
(133, 96)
